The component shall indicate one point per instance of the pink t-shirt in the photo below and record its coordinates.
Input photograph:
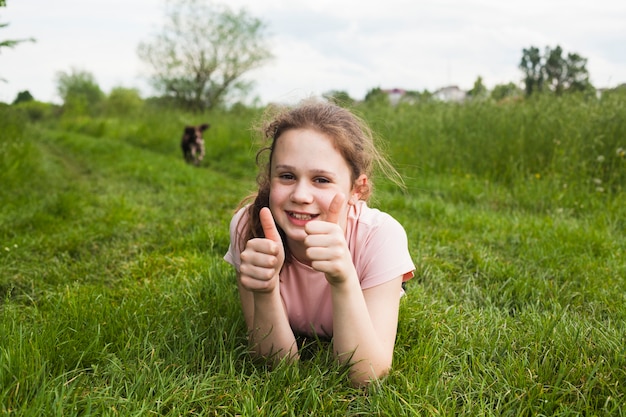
(379, 248)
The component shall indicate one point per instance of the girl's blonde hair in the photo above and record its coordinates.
(352, 137)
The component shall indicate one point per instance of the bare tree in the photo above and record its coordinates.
(202, 52)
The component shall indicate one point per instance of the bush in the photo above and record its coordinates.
(36, 110)
(23, 96)
(123, 102)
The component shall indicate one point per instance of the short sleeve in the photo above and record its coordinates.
(381, 250)
(233, 256)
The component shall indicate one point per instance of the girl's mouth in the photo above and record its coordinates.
(301, 216)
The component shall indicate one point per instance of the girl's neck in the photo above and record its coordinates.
(298, 251)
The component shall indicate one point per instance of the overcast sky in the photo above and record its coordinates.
(322, 45)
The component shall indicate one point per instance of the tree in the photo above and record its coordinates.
(532, 67)
(413, 96)
(123, 101)
(203, 51)
(479, 90)
(340, 97)
(553, 71)
(79, 90)
(376, 96)
(566, 73)
(505, 91)
(23, 97)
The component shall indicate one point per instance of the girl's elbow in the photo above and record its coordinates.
(363, 377)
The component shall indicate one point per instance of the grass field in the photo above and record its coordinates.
(115, 299)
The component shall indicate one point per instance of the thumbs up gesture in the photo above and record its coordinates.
(263, 258)
(326, 245)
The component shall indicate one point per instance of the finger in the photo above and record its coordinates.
(260, 253)
(269, 226)
(335, 208)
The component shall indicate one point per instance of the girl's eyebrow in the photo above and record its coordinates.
(284, 167)
(322, 172)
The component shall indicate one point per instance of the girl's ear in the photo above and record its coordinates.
(361, 188)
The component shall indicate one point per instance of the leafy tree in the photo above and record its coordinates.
(23, 97)
(340, 97)
(35, 110)
(203, 51)
(479, 90)
(532, 67)
(79, 90)
(412, 96)
(503, 91)
(123, 101)
(566, 73)
(553, 71)
(376, 96)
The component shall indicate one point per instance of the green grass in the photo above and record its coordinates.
(115, 300)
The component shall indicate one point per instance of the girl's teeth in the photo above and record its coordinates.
(301, 216)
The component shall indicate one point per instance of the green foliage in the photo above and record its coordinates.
(553, 72)
(123, 101)
(524, 145)
(79, 91)
(505, 91)
(202, 52)
(37, 111)
(376, 98)
(23, 96)
(115, 300)
(566, 73)
(413, 97)
(478, 91)
(340, 97)
(533, 70)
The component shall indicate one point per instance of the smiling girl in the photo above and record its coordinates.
(311, 257)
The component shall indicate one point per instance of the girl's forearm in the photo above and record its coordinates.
(355, 339)
(271, 335)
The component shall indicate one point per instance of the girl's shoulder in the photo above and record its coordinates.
(239, 215)
(365, 220)
(379, 246)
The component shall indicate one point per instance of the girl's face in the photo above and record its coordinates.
(306, 174)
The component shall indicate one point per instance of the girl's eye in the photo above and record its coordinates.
(286, 177)
(322, 180)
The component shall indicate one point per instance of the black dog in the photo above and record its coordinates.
(192, 143)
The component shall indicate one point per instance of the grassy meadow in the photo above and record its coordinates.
(115, 300)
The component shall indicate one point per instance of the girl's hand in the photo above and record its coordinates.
(262, 258)
(326, 245)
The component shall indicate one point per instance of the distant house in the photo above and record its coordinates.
(602, 91)
(395, 95)
(450, 94)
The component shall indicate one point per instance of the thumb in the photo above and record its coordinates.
(269, 227)
(335, 208)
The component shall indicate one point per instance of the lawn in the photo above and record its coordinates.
(115, 299)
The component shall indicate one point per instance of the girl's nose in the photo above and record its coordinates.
(301, 193)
